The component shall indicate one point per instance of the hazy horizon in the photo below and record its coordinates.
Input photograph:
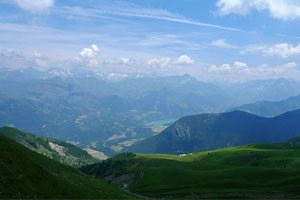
(211, 40)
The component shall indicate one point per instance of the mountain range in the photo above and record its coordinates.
(271, 108)
(261, 90)
(93, 111)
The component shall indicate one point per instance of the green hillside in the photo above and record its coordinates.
(26, 174)
(255, 171)
(62, 152)
(212, 131)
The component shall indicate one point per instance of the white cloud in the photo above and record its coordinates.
(92, 62)
(165, 61)
(223, 67)
(35, 5)
(236, 67)
(87, 53)
(116, 76)
(13, 59)
(121, 61)
(240, 65)
(184, 60)
(129, 61)
(283, 50)
(94, 47)
(280, 9)
(125, 60)
(240, 71)
(162, 62)
(133, 10)
(222, 43)
(290, 65)
(37, 54)
(40, 60)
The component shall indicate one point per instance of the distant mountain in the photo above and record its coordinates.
(86, 108)
(142, 85)
(62, 152)
(22, 74)
(211, 131)
(262, 90)
(168, 101)
(271, 108)
(295, 139)
(31, 73)
(91, 110)
(25, 174)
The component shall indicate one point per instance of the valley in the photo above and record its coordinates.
(111, 116)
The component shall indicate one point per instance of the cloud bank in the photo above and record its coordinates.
(35, 6)
(222, 43)
(284, 50)
(240, 71)
(280, 9)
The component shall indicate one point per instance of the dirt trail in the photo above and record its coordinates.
(137, 195)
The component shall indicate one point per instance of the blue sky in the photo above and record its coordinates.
(232, 40)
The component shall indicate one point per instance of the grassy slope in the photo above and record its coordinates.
(71, 155)
(251, 171)
(27, 174)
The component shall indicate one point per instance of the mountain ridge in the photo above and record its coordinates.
(25, 174)
(211, 131)
(60, 151)
(271, 108)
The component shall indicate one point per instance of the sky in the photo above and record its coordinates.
(212, 40)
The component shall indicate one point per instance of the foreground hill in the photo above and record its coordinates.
(257, 171)
(25, 174)
(62, 152)
(271, 108)
(211, 131)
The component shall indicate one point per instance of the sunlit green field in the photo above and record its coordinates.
(251, 171)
